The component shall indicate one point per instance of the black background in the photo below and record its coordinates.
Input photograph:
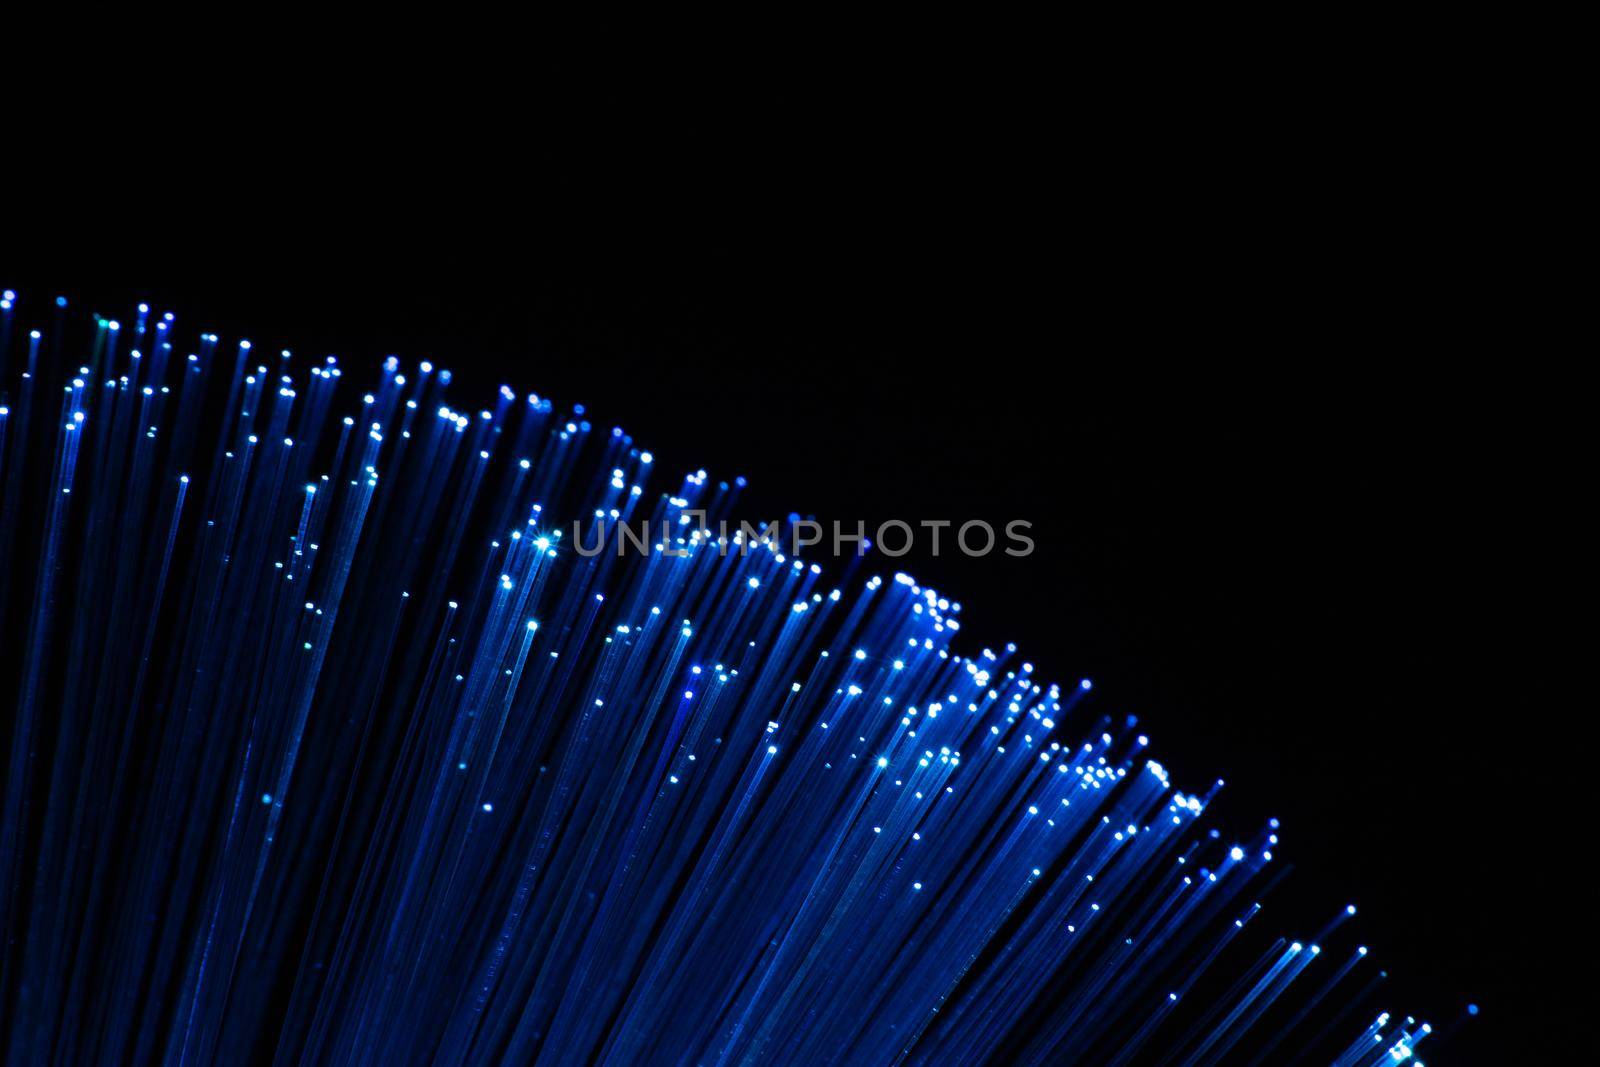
(1282, 464)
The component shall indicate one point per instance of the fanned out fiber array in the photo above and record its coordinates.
(333, 740)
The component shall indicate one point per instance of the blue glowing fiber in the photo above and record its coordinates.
(327, 741)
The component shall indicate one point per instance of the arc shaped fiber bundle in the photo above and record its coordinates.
(329, 738)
